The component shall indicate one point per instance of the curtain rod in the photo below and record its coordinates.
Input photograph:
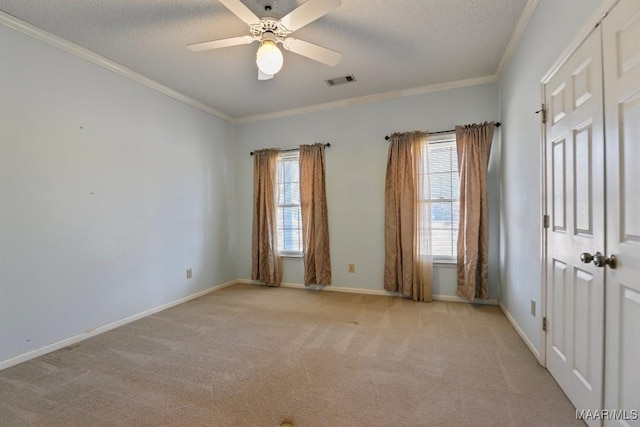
(294, 149)
(442, 131)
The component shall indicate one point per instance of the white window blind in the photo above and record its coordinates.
(289, 221)
(441, 202)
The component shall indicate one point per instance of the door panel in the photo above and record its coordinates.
(575, 291)
(629, 350)
(558, 179)
(559, 310)
(583, 172)
(630, 150)
(621, 37)
(583, 290)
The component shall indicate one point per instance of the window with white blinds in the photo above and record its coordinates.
(289, 221)
(441, 203)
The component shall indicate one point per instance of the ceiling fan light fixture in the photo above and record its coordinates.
(269, 58)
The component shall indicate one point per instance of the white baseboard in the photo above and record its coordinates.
(340, 289)
(104, 328)
(455, 298)
(520, 332)
(383, 292)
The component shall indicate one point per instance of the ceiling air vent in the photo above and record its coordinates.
(340, 80)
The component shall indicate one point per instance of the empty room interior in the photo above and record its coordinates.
(319, 213)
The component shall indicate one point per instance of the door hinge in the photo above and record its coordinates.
(544, 324)
(543, 113)
(545, 221)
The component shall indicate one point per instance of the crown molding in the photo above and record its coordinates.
(525, 17)
(370, 99)
(80, 52)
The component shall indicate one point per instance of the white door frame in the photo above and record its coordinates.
(543, 230)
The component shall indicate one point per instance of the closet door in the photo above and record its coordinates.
(575, 202)
(621, 36)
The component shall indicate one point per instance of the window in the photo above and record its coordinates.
(440, 198)
(289, 221)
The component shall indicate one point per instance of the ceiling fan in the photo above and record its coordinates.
(270, 31)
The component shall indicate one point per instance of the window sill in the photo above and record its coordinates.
(451, 263)
(294, 256)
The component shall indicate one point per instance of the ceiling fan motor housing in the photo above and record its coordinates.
(269, 25)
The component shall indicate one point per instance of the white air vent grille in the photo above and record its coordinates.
(341, 80)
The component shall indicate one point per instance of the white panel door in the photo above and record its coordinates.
(621, 35)
(575, 203)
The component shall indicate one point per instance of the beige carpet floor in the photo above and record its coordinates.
(255, 356)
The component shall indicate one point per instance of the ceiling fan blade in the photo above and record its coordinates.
(241, 11)
(264, 76)
(312, 51)
(308, 12)
(217, 44)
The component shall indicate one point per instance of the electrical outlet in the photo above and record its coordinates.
(189, 273)
(352, 268)
(533, 308)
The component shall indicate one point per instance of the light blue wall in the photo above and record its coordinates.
(109, 191)
(356, 166)
(551, 29)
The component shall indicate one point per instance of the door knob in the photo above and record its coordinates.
(598, 259)
(586, 257)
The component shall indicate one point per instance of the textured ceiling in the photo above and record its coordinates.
(387, 45)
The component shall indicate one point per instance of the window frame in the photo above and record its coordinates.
(284, 157)
(431, 143)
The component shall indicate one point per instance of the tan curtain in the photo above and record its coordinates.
(264, 253)
(474, 146)
(315, 224)
(407, 269)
